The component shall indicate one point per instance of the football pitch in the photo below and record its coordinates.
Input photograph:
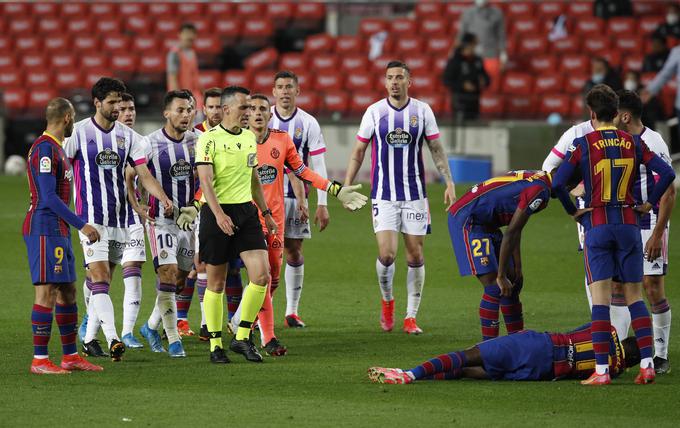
(322, 381)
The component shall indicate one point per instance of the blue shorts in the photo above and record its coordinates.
(50, 259)
(613, 251)
(476, 247)
(526, 355)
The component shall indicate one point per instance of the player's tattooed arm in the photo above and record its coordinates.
(141, 209)
(442, 164)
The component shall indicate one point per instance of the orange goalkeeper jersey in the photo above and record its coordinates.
(274, 155)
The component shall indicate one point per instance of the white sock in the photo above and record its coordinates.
(155, 318)
(236, 318)
(601, 368)
(201, 282)
(415, 279)
(662, 331)
(104, 308)
(620, 319)
(131, 299)
(385, 277)
(647, 362)
(86, 293)
(167, 306)
(92, 324)
(294, 275)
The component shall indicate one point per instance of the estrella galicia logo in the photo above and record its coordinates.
(398, 138)
(180, 170)
(267, 174)
(107, 159)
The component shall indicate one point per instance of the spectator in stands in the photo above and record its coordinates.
(652, 111)
(465, 77)
(182, 63)
(606, 9)
(601, 72)
(670, 70)
(657, 57)
(670, 28)
(488, 24)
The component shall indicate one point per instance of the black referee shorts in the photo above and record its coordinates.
(216, 247)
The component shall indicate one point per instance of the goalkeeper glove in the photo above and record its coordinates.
(187, 215)
(350, 199)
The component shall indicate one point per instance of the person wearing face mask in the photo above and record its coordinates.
(670, 28)
(601, 72)
(465, 77)
(657, 57)
(652, 111)
(487, 23)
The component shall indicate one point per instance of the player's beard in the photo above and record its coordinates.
(111, 116)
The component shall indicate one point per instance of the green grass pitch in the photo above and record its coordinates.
(322, 382)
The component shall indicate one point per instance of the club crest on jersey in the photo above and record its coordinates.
(90, 252)
(275, 153)
(107, 159)
(180, 170)
(298, 133)
(45, 164)
(398, 138)
(163, 254)
(267, 174)
(57, 269)
(120, 142)
(484, 261)
(413, 121)
(252, 160)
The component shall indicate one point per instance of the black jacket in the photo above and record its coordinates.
(460, 68)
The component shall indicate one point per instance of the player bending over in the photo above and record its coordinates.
(481, 248)
(527, 355)
(609, 162)
(47, 236)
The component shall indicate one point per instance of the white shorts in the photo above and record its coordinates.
(135, 250)
(109, 248)
(294, 228)
(660, 264)
(170, 245)
(409, 217)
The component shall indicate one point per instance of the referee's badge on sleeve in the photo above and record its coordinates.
(252, 160)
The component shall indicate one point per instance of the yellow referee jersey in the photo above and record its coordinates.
(233, 157)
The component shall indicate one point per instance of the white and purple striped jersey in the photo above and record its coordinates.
(99, 158)
(397, 136)
(171, 162)
(305, 131)
(557, 154)
(646, 178)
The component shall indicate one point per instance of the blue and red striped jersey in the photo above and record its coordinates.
(47, 160)
(493, 202)
(574, 357)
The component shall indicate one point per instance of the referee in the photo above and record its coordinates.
(226, 159)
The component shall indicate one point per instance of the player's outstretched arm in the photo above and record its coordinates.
(154, 187)
(442, 164)
(261, 202)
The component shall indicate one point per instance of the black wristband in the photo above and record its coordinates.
(265, 212)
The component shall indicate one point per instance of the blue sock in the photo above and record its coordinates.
(445, 363)
(41, 321)
(488, 311)
(600, 330)
(642, 326)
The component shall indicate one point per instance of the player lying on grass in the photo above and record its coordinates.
(527, 355)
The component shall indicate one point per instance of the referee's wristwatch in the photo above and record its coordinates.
(265, 212)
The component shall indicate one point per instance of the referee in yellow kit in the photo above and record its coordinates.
(226, 159)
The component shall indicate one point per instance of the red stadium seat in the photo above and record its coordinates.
(580, 9)
(577, 109)
(356, 63)
(11, 78)
(262, 59)
(403, 26)
(161, 9)
(15, 10)
(649, 24)
(304, 79)
(335, 102)
(491, 105)
(249, 10)
(144, 43)
(228, 28)
(91, 76)
(554, 103)
(434, 26)
(85, 42)
(219, 8)
(568, 45)
(109, 25)
(308, 101)
(633, 62)
(613, 57)
(7, 60)
(522, 107)
(73, 9)
(517, 83)
(262, 82)
(404, 44)
(39, 97)
(526, 26)
(138, 24)
(94, 60)
(312, 12)
(428, 10)
(280, 13)
(63, 60)
(360, 101)
(532, 45)
(549, 83)
(348, 45)
(14, 99)
(257, 31)
(57, 43)
(323, 61)
(125, 63)
(378, 65)
(68, 79)
(595, 45)
(648, 8)
(369, 26)
(439, 45)
(210, 78)
(208, 45)
(129, 9)
(203, 24)
(543, 63)
(102, 9)
(33, 60)
(328, 81)
(575, 82)
(50, 25)
(237, 78)
(622, 26)
(151, 63)
(589, 26)
(629, 44)
(166, 26)
(550, 9)
(575, 64)
(418, 63)
(20, 26)
(6, 43)
(359, 81)
(116, 42)
(319, 43)
(79, 26)
(190, 10)
(424, 83)
(435, 99)
(519, 9)
(27, 43)
(294, 61)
